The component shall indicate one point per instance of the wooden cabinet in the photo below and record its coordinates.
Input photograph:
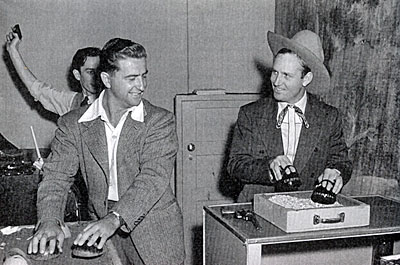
(229, 240)
(204, 125)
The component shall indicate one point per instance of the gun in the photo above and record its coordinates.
(245, 215)
(16, 29)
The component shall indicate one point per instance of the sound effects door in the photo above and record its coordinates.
(204, 126)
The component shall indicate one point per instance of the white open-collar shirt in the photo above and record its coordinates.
(96, 110)
(290, 133)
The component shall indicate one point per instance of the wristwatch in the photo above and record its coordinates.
(120, 219)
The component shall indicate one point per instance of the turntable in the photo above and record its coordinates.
(12, 163)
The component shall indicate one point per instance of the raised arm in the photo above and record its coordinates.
(12, 45)
(57, 101)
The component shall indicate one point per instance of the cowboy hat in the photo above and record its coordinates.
(307, 45)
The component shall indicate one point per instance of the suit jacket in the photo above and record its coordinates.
(145, 159)
(256, 141)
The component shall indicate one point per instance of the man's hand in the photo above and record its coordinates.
(49, 230)
(103, 228)
(277, 164)
(12, 42)
(332, 175)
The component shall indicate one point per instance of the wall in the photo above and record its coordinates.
(192, 44)
(227, 43)
(362, 49)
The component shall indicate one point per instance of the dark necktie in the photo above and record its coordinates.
(84, 101)
(299, 113)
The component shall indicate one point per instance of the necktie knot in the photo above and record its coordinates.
(85, 101)
(298, 111)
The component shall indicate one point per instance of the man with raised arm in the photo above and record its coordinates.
(83, 67)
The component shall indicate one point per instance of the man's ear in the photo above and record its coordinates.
(76, 74)
(307, 79)
(105, 78)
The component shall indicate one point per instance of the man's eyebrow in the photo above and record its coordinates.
(284, 72)
(288, 73)
(130, 76)
(145, 73)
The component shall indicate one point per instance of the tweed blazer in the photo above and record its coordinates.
(145, 158)
(256, 141)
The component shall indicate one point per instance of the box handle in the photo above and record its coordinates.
(339, 219)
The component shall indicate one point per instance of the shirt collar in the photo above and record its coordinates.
(301, 104)
(96, 110)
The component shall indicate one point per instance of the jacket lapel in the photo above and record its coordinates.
(131, 134)
(271, 135)
(129, 137)
(94, 136)
(308, 137)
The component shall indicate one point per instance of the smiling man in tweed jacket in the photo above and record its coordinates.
(125, 148)
(294, 131)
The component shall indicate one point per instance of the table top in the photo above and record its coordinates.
(20, 240)
(384, 220)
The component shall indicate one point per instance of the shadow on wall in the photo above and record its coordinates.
(24, 91)
(264, 70)
(228, 185)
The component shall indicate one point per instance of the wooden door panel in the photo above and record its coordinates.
(206, 148)
(213, 124)
(208, 172)
(204, 126)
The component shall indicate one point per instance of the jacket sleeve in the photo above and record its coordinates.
(58, 174)
(244, 163)
(338, 152)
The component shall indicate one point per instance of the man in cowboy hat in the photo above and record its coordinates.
(293, 131)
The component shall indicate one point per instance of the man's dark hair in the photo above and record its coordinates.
(78, 61)
(305, 70)
(116, 49)
(81, 55)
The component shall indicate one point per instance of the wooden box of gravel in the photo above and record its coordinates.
(296, 212)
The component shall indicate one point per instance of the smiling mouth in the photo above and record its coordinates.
(136, 94)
